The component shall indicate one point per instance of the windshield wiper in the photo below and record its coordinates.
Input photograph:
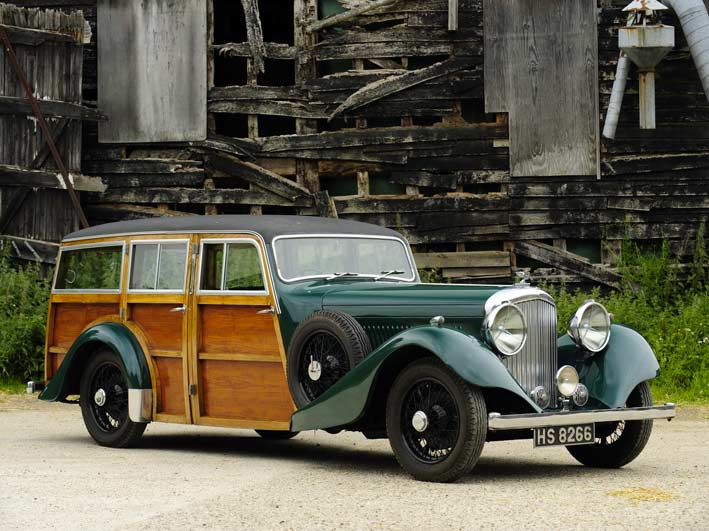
(387, 273)
(340, 275)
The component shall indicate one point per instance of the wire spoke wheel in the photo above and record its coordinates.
(322, 363)
(104, 402)
(109, 397)
(430, 421)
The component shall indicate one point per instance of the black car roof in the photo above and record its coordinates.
(267, 226)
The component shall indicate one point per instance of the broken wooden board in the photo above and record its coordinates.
(152, 76)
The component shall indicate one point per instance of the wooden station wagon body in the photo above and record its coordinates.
(285, 323)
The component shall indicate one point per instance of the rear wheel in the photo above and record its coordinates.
(618, 443)
(104, 402)
(436, 422)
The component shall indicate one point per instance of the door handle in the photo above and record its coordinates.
(182, 308)
(270, 310)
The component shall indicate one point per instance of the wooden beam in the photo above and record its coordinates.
(36, 37)
(567, 261)
(467, 259)
(17, 176)
(254, 33)
(221, 196)
(262, 177)
(349, 15)
(452, 15)
(391, 85)
(53, 108)
(272, 50)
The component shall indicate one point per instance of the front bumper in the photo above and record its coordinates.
(496, 421)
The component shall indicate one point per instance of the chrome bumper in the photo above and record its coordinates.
(496, 421)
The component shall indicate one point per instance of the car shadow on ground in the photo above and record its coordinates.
(333, 456)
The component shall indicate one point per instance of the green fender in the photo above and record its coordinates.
(346, 401)
(112, 335)
(612, 374)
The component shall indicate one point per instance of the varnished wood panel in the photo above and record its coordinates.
(54, 361)
(71, 318)
(237, 330)
(244, 390)
(163, 328)
(172, 391)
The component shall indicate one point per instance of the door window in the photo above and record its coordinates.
(158, 266)
(90, 268)
(233, 266)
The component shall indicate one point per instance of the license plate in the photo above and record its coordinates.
(565, 435)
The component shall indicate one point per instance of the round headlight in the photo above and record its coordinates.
(567, 380)
(506, 329)
(590, 327)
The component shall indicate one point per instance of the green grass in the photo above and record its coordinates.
(12, 386)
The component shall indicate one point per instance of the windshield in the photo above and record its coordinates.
(331, 256)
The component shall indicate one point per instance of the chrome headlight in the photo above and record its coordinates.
(505, 328)
(590, 327)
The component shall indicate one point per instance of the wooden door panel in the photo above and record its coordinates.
(244, 390)
(162, 328)
(237, 330)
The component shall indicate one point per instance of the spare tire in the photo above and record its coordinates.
(324, 347)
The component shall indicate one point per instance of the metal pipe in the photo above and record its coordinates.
(647, 99)
(616, 101)
(694, 19)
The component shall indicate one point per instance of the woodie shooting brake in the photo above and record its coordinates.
(282, 324)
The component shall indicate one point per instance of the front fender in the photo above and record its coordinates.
(611, 375)
(113, 335)
(346, 401)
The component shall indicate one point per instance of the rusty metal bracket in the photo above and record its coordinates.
(49, 139)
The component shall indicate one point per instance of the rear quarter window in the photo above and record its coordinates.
(90, 268)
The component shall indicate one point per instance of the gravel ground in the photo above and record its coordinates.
(54, 476)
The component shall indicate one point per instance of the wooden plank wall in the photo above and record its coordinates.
(400, 99)
(52, 60)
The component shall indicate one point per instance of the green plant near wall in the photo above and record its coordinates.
(670, 310)
(24, 295)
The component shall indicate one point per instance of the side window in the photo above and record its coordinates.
(90, 268)
(232, 266)
(158, 266)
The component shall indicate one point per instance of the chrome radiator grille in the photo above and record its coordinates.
(537, 362)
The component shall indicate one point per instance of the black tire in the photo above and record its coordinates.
(618, 443)
(450, 443)
(332, 339)
(108, 423)
(275, 435)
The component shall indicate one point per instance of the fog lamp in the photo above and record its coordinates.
(567, 380)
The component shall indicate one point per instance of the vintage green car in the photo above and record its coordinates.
(283, 324)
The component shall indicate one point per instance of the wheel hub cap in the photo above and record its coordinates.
(419, 421)
(314, 370)
(100, 397)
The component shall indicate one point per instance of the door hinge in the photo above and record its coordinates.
(192, 389)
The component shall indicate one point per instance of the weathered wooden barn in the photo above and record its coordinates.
(472, 126)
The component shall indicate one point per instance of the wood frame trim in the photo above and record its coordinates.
(236, 357)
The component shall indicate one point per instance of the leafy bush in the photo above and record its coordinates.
(24, 294)
(670, 310)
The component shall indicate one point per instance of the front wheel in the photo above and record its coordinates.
(104, 402)
(436, 422)
(618, 443)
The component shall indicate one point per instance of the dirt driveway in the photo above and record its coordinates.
(54, 476)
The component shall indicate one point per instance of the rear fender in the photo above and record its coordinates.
(611, 375)
(347, 400)
(112, 335)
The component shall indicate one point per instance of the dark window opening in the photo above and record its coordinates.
(277, 73)
(275, 125)
(338, 186)
(277, 20)
(229, 71)
(235, 125)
